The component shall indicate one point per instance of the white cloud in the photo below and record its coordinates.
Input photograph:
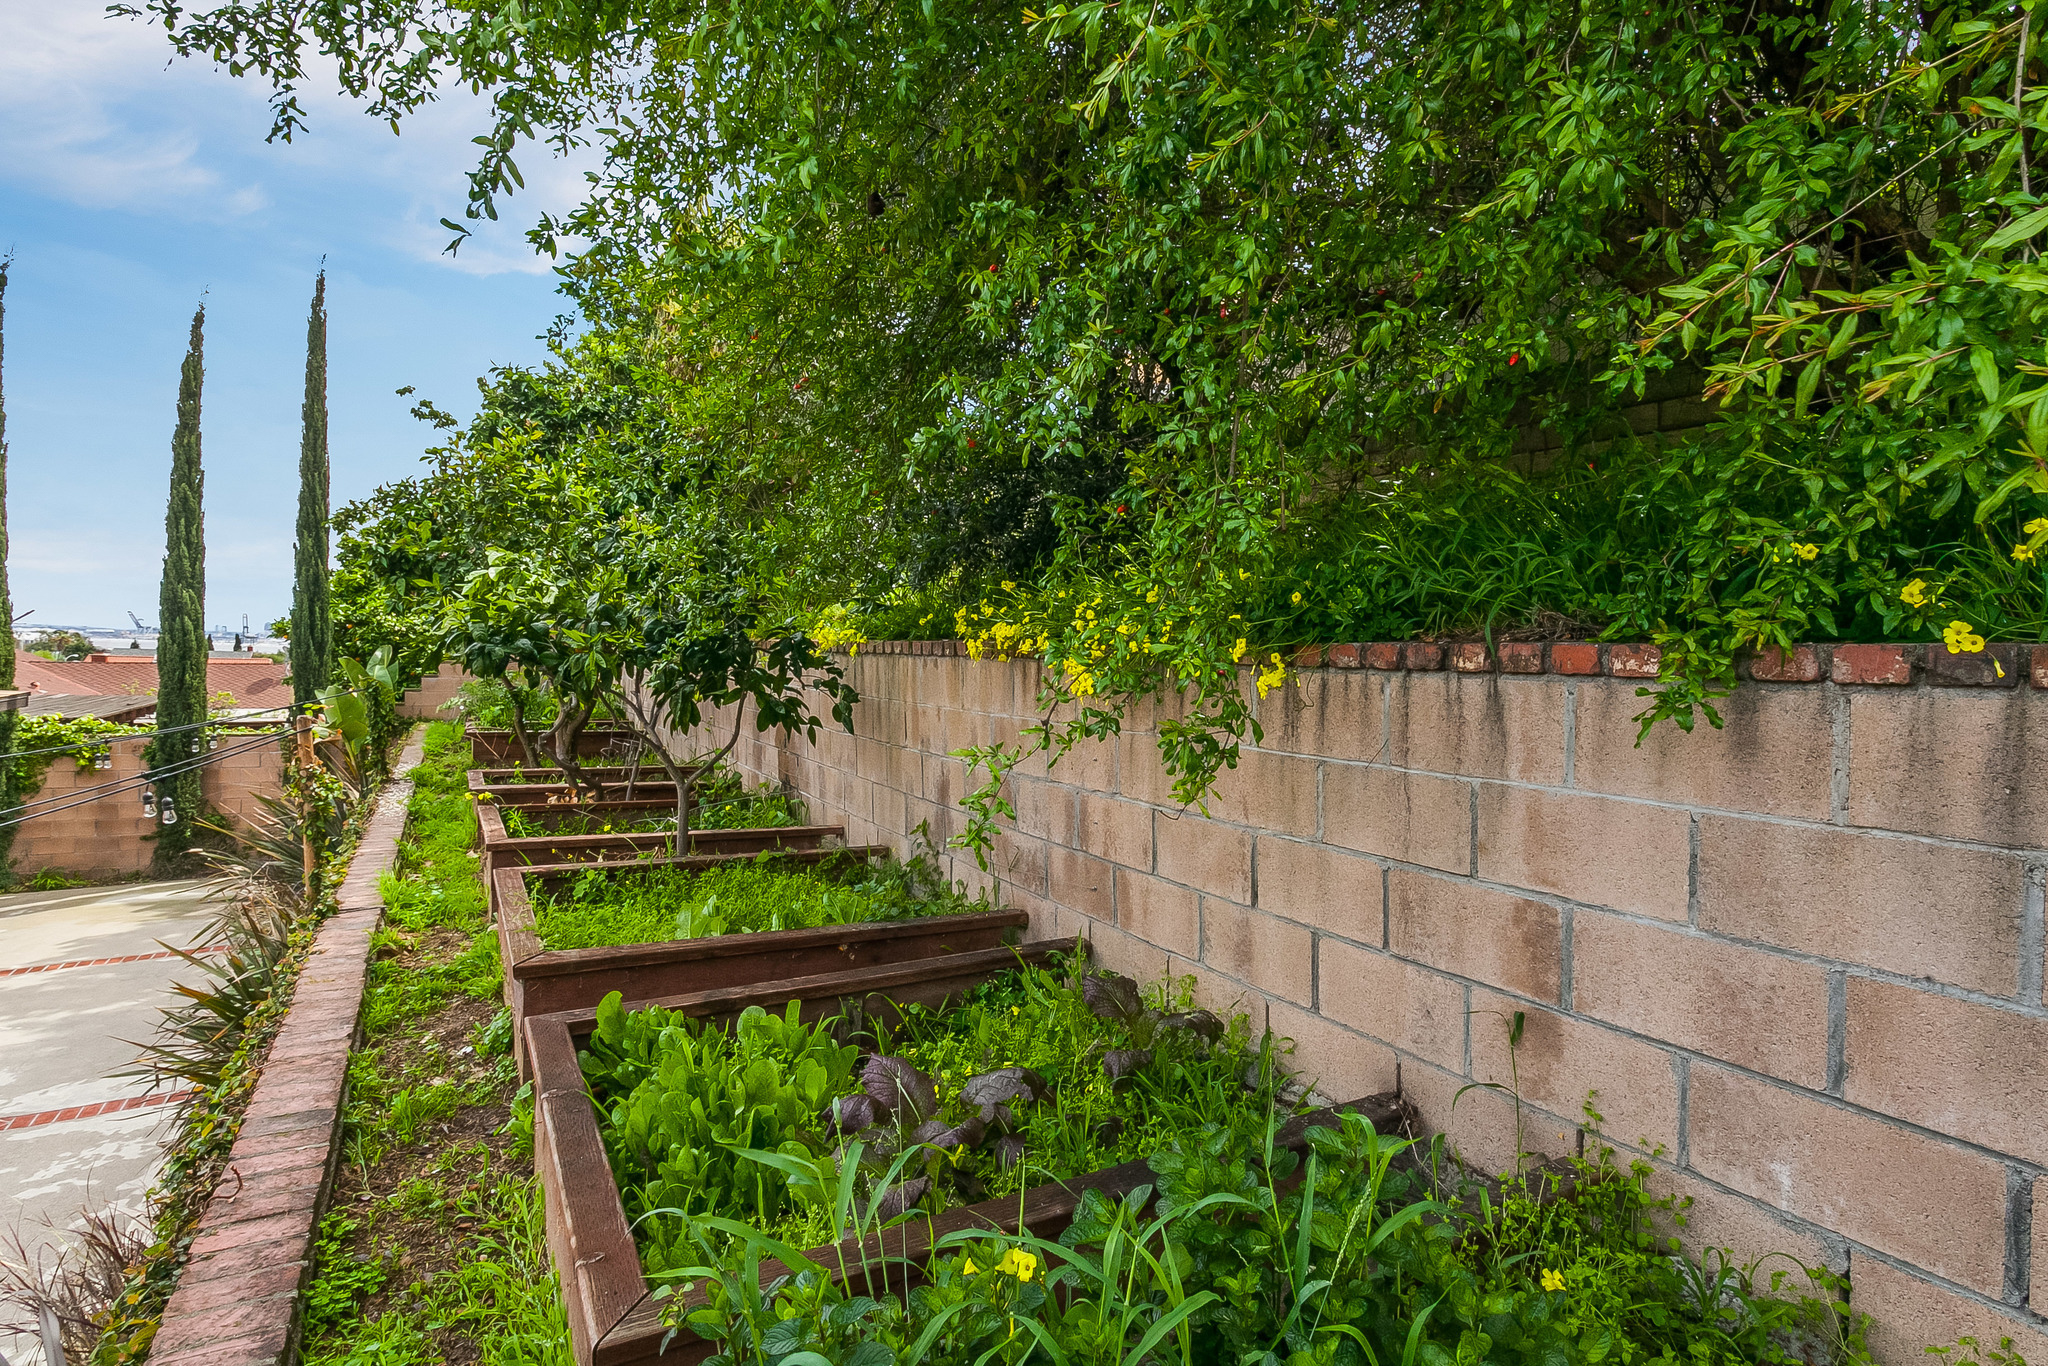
(101, 115)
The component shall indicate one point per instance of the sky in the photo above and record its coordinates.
(134, 186)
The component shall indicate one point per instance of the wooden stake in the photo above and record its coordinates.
(305, 728)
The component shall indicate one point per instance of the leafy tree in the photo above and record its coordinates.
(181, 640)
(1214, 327)
(62, 644)
(312, 651)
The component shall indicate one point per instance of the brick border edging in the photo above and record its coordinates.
(1995, 666)
(237, 1299)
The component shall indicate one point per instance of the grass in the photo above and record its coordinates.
(652, 906)
(435, 1249)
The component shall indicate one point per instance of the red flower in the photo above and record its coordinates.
(1514, 356)
(970, 443)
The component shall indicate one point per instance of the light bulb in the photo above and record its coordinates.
(149, 808)
(170, 813)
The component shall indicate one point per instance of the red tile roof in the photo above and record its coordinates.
(251, 682)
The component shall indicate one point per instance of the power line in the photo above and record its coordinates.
(167, 730)
(124, 785)
(149, 776)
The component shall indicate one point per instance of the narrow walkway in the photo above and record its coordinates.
(81, 971)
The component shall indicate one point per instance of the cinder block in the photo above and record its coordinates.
(1271, 792)
(1749, 1229)
(1414, 1009)
(1910, 1313)
(1566, 1063)
(1924, 1201)
(1120, 952)
(1159, 912)
(1964, 1068)
(1320, 886)
(1959, 764)
(1081, 883)
(1597, 850)
(1045, 809)
(1274, 955)
(1774, 755)
(1341, 1065)
(1199, 853)
(1412, 817)
(1333, 715)
(1461, 927)
(1741, 1005)
(2038, 1297)
(1482, 1128)
(1119, 831)
(1020, 860)
(1909, 906)
(1485, 727)
(1140, 776)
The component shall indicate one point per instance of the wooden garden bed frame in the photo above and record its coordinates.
(614, 1319)
(502, 746)
(551, 786)
(541, 981)
(502, 849)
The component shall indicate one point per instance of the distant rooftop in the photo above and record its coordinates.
(252, 683)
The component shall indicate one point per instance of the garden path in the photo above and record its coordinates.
(64, 1011)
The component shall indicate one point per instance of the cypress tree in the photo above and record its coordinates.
(10, 781)
(181, 608)
(312, 642)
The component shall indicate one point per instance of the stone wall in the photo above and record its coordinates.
(1798, 961)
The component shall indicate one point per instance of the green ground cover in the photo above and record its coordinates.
(434, 1249)
(766, 892)
(1033, 1078)
(722, 801)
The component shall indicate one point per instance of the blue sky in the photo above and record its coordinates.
(131, 185)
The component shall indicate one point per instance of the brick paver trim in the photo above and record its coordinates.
(253, 1247)
(36, 1119)
(103, 962)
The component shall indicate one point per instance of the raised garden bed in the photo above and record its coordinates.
(614, 1318)
(502, 746)
(501, 849)
(543, 786)
(539, 980)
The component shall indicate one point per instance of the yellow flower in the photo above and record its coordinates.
(1805, 551)
(2036, 527)
(1961, 640)
(1152, 596)
(1237, 650)
(972, 1269)
(2023, 553)
(1915, 593)
(1009, 587)
(1272, 678)
(1296, 599)
(1552, 1280)
(1019, 1263)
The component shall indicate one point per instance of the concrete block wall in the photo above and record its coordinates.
(96, 835)
(1798, 960)
(435, 691)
